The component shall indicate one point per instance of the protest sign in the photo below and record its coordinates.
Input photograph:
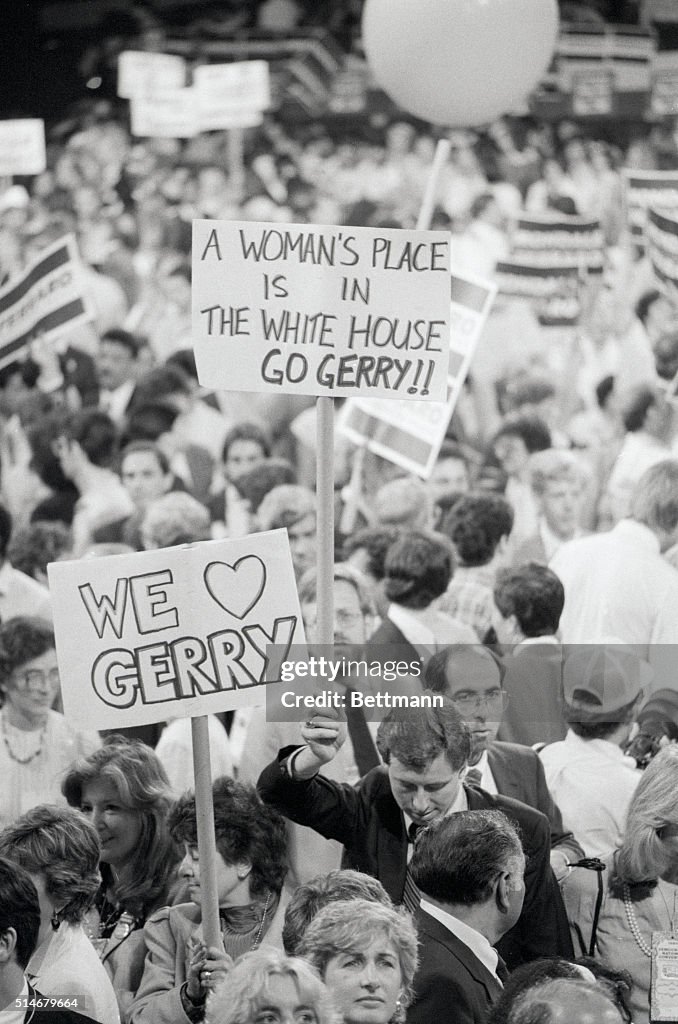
(327, 311)
(552, 290)
(559, 240)
(141, 73)
(22, 146)
(410, 434)
(177, 632)
(644, 189)
(47, 298)
(232, 95)
(661, 233)
(592, 92)
(166, 114)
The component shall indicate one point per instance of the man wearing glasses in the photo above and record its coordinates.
(472, 676)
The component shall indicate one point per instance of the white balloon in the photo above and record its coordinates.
(459, 62)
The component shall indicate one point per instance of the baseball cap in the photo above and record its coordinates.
(602, 678)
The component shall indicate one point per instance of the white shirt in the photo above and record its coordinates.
(428, 628)
(476, 941)
(11, 1014)
(617, 584)
(115, 402)
(175, 750)
(22, 595)
(486, 777)
(69, 966)
(639, 452)
(592, 782)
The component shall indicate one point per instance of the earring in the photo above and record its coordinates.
(399, 1015)
(54, 921)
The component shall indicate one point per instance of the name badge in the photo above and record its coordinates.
(664, 984)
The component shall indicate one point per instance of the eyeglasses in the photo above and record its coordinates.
(35, 679)
(468, 703)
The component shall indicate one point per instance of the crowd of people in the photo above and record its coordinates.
(506, 855)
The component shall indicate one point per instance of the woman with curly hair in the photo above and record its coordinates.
(59, 849)
(267, 986)
(615, 911)
(366, 954)
(251, 863)
(36, 743)
(124, 790)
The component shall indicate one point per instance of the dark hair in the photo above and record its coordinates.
(184, 358)
(637, 407)
(534, 594)
(96, 434)
(527, 976)
(44, 461)
(417, 568)
(645, 302)
(451, 450)
(543, 1002)
(5, 529)
(33, 547)
(22, 638)
(63, 846)
(417, 736)
(442, 661)
(310, 898)
(19, 909)
(140, 781)
(160, 384)
(146, 446)
(459, 857)
(604, 389)
(532, 431)
(255, 484)
(595, 725)
(475, 524)
(149, 421)
(246, 432)
(124, 338)
(376, 541)
(246, 829)
(620, 983)
(529, 390)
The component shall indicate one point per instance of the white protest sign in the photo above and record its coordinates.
(141, 73)
(410, 434)
(175, 632)
(47, 298)
(232, 95)
(331, 311)
(22, 146)
(167, 114)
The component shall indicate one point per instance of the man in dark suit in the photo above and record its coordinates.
(472, 676)
(425, 750)
(469, 868)
(20, 1003)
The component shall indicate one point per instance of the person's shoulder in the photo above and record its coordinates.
(516, 752)
(174, 916)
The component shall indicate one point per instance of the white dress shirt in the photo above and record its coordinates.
(476, 941)
(592, 782)
(486, 777)
(12, 1014)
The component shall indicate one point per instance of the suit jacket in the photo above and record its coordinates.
(370, 825)
(534, 684)
(519, 773)
(388, 643)
(450, 983)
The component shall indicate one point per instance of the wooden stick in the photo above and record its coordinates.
(441, 157)
(207, 847)
(325, 534)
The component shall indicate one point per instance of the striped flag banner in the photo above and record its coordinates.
(46, 299)
(644, 189)
(661, 233)
(559, 241)
(553, 291)
(409, 434)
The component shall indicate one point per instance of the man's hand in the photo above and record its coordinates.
(324, 736)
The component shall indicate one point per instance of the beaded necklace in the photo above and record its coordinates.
(14, 756)
(633, 920)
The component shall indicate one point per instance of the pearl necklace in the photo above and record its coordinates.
(633, 920)
(15, 757)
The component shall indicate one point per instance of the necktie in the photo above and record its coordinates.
(412, 831)
(473, 777)
(364, 751)
(502, 971)
(411, 894)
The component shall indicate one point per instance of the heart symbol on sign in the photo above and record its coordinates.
(236, 588)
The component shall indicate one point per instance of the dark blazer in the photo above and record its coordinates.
(52, 1016)
(534, 684)
(519, 773)
(369, 823)
(451, 984)
(388, 643)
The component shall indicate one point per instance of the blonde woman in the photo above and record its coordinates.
(267, 987)
(636, 893)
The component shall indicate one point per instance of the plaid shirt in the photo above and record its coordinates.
(469, 598)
